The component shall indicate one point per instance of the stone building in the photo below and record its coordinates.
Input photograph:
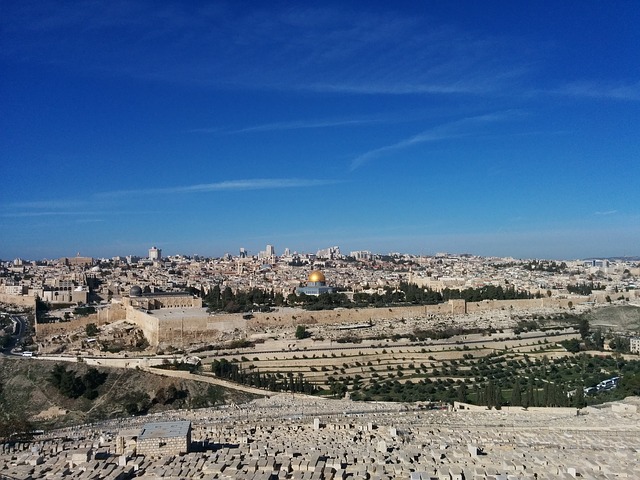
(160, 439)
(159, 300)
(316, 285)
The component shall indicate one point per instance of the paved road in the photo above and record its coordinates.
(16, 337)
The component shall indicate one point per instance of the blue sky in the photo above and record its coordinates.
(495, 128)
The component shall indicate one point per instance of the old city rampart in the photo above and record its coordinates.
(18, 300)
(193, 326)
(104, 316)
(184, 326)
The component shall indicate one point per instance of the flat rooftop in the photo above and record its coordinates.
(179, 312)
(164, 430)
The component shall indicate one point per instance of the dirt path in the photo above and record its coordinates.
(211, 380)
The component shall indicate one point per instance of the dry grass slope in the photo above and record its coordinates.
(27, 393)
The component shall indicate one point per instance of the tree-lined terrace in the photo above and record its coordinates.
(256, 299)
(435, 371)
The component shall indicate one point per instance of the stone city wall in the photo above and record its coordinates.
(101, 317)
(363, 315)
(147, 323)
(197, 327)
(486, 305)
(201, 327)
(355, 315)
(19, 300)
(163, 301)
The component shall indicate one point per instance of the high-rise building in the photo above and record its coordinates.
(155, 253)
(270, 250)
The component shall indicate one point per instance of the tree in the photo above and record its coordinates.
(620, 344)
(462, 393)
(278, 299)
(516, 393)
(213, 299)
(572, 345)
(91, 330)
(598, 339)
(490, 394)
(529, 398)
(578, 397)
(94, 378)
(137, 403)
(301, 332)
(15, 427)
(583, 328)
(630, 384)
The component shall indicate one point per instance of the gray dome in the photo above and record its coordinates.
(135, 291)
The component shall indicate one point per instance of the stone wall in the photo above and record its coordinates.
(196, 326)
(19, 300)
(162, 447)
(356, 315)
(147, 323)
(487, 305)
(113, 313)
(155, 302)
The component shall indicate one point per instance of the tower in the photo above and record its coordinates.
(155, 253)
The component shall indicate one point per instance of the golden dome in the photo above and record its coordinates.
(317, 276)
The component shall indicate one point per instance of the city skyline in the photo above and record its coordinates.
(495, 129)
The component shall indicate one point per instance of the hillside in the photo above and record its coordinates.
(620, 318)
(29, 393)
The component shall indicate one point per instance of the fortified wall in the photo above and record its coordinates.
(27, 301)
(182, 327)
(363, 315)
(190, 324)
(107, 315)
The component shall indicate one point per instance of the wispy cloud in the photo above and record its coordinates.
(456, 129)
(607, 212)
(108, 203)
(50, 204)
(48, 213)
(231, 185)
(329, 49)
(300, 125)
(619, 91)
(397, 88)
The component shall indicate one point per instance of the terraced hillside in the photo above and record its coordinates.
(618, 318)
(361, 368)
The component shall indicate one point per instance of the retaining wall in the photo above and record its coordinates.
(19, 300)
(195, 326)
(113, 313)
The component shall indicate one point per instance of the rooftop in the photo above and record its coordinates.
(164, 430)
